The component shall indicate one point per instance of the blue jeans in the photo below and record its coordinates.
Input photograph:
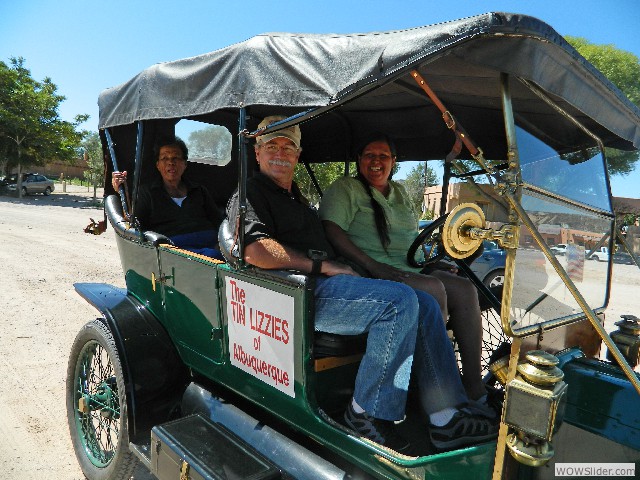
(204, 242)
(401, 322)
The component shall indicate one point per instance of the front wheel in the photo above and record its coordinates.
(97, 407)
(47, 191)
(494, 279)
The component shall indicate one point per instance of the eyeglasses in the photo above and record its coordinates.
(272, 148)
(383, 157)
(171, 159)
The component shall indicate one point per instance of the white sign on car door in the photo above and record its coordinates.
(260, 325)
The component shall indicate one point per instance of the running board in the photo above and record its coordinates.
(142, 453)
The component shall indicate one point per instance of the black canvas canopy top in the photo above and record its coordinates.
(362, 83)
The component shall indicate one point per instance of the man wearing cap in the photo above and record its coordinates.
(282, 231)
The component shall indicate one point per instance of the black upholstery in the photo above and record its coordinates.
(332, 345)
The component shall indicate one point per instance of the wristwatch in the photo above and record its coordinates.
(318, 256)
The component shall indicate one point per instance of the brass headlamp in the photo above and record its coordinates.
(627, 339)
(534, 406)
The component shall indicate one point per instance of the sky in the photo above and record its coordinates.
(85, 46)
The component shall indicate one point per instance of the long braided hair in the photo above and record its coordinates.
(382, 223)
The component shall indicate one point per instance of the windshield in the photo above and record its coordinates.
(566, 196)
(578, 175)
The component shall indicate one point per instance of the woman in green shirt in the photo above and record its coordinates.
(369, 221)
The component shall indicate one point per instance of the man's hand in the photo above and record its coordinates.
(331, 268)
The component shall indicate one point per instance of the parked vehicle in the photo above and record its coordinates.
(31, 183)
(602, 255)
(559, 249)
(169, 377)
(424, 223)
(490, 265)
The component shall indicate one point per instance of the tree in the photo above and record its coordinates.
(418, 178)
(325, 173)
(92, 151)
(31, 131)
(623, 70)
(210, 144)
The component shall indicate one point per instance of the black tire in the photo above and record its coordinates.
(494, 279)
(47, 191)
(24, 191)
(99, 434)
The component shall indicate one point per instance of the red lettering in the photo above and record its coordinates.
(260, 367)
(285, 331)
(269, 325)
(237, 293)
(238, 313)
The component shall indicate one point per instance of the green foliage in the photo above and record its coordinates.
(326, 174)
(622, 68)
(92, 151)
(31, 131)
(418, 178)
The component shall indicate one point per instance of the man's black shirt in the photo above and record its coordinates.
(274, 212)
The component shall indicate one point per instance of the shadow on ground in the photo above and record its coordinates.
(71, 200)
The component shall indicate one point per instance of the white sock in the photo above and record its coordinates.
(442, 417)
(356, 408)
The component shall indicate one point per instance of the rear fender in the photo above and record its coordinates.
(154, 374)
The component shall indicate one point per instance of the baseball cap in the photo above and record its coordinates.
(292, 133)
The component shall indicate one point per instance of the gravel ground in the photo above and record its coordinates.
(43, 252)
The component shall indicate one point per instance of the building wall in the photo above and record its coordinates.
(55, 169)
(463, 193)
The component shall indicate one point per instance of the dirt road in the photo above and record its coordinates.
(43, 251)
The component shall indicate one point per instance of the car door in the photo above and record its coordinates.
(39, 183)
(29, 184)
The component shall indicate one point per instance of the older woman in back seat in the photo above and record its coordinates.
(175, 207)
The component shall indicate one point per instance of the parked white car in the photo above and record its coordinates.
(559, 249)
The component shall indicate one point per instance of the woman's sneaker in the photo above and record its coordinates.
(462, 430)
(380, 431)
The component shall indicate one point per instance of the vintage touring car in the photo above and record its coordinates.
(167, 379)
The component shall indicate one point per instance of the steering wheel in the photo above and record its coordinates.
(431, 242)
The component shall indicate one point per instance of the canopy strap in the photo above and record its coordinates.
(461, 135)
